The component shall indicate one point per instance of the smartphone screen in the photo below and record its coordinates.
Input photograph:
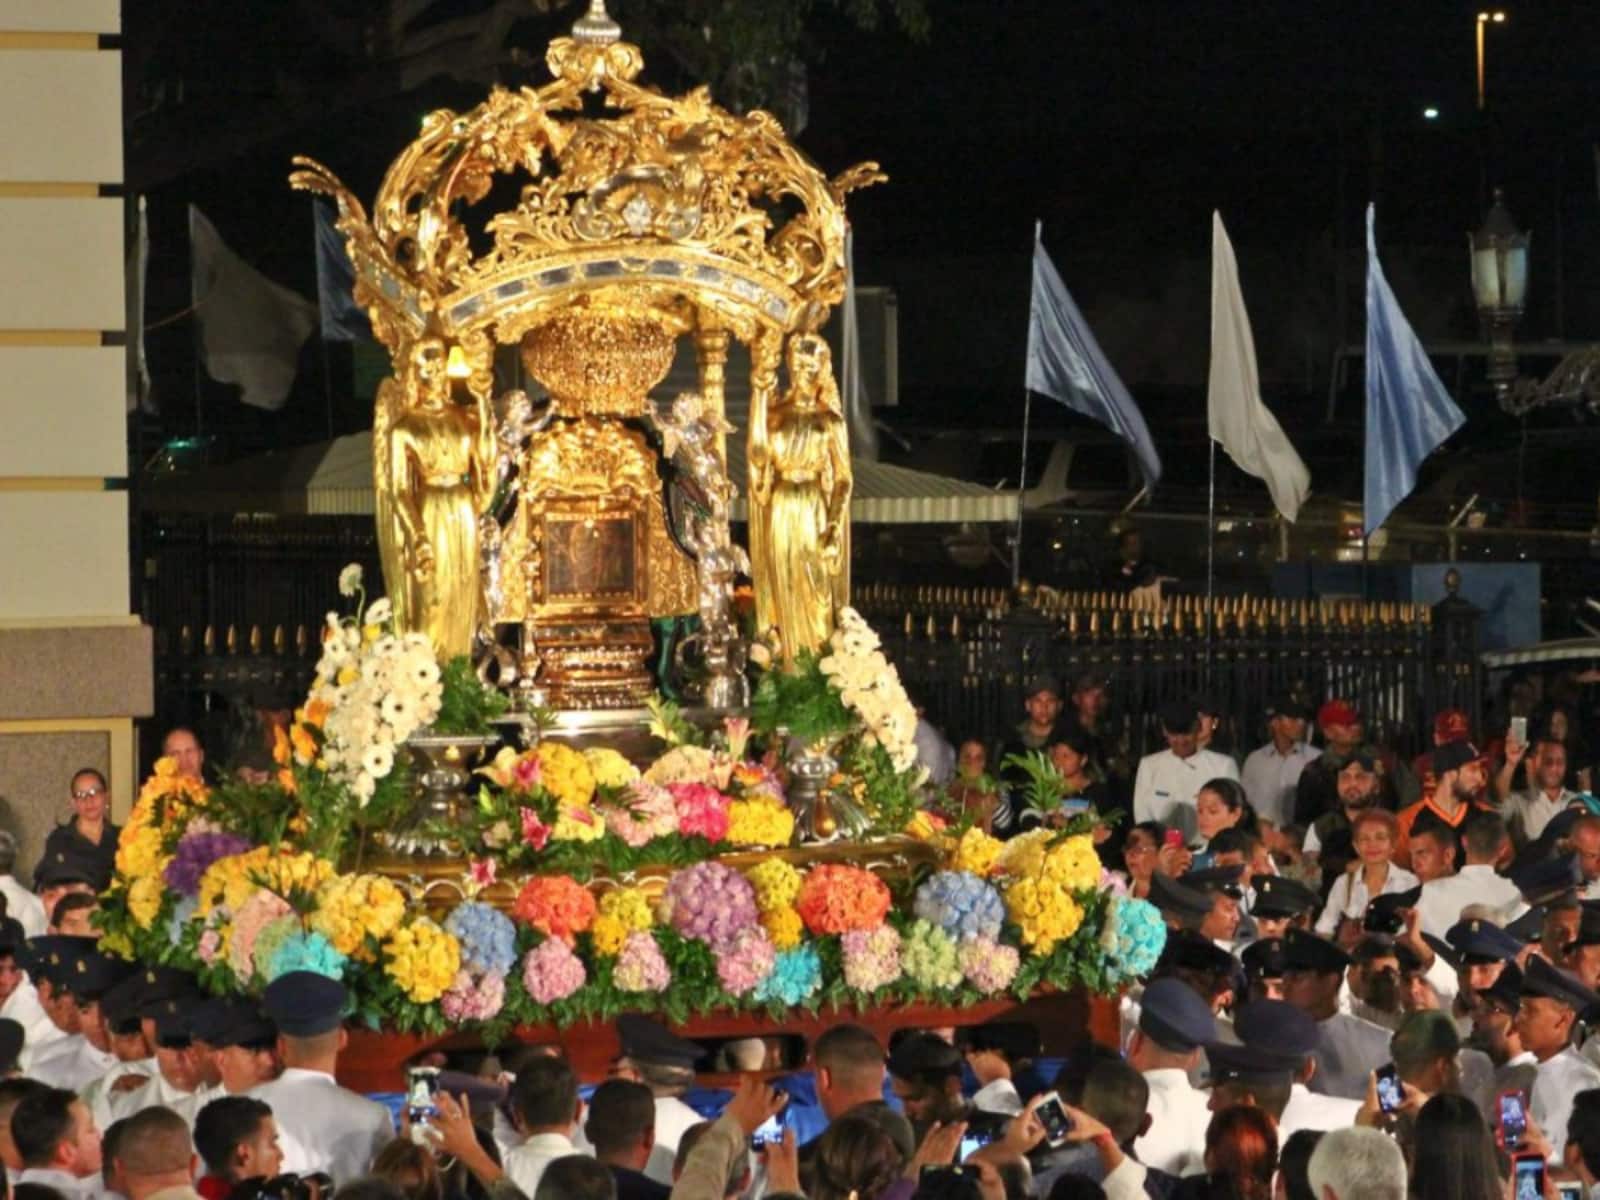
(1530, 1178)
(1519, 730)
(1570, 1190)
(1390, 1096)
(766, 1133)
(975, 1139)
(1175, 838)
(1513, 1119)
(1052, 1114)
(421, 1083)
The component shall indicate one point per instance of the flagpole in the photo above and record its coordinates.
(1022, 470)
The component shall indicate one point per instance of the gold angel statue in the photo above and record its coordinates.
(433, 465)
(799, 496)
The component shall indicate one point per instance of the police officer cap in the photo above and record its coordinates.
(1172, 1015)
(1506, 990)
(1279, 896)
(1223, 880)
(120, 1005)
(1544, 879)
(12, 1037)
(304, 1003)
(1276, 1026)
(1179, 716)
(1264, 959)
(1529, 926)
(1542, 979)
(1192, 952)
(1588, 929)
(13, 939)
(51, 955)
(66, 866)
(1228, 1063)
(1558, 827)
(173, 1032)
(1477, 940)
(924, 1056)
(1304, 951)
(165, 991)
(94, 973)
(1384, 912)
(644, 1040)
(1176, 898)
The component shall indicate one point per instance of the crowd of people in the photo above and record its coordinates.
(1376, 983)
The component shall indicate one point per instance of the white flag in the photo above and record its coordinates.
(857, 402)
(251, 329)
(1238, 419)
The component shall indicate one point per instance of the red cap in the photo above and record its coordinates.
(1338, 712)
(1450, 726)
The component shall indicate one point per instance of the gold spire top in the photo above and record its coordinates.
(596, 27)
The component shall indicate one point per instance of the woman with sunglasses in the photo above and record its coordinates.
(87, 838)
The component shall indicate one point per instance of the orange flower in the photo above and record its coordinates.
(286, 781)
(555, 905)
(836, 899)
(280, 746)
(305, 745)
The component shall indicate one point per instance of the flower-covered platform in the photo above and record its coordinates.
(578, 884)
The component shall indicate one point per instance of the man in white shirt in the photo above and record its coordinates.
(1277, 1030)
(19, 1002)
(58, 1143)
(22, 906)
(546, 1108)
(1551, 1001)
(322, 1126)
(1527, 812)
(1348, 1048)
(1174, 1023)
(660, 1059)
(176, 1083)
(75, 975)
(1483, 838)
(1272, 772)
(1168, 781)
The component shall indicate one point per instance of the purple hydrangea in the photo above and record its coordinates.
(711, 902)
(195, 853)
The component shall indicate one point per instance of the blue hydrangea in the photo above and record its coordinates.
(1140, 936)
(304, 952)
(795, 976)
(182, 912)
(961, 904)
(488, 939)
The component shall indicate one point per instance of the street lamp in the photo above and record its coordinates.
(1499, 288)
(1485, 19)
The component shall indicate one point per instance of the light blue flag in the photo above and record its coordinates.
(1066, 364)
(1409, 413)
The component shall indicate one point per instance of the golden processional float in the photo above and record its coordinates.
(543, 537)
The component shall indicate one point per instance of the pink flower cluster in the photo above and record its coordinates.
(254, 915)
(709, 901)
(988, 965)
(745, 961)
(701, 810)
(645, 811)
(871, 957)
(552, 971)
(641, 967)
(474, 997)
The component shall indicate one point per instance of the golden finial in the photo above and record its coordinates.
(596, 27)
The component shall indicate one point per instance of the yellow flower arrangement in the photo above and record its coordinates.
(144, 899)
(230, 881)
(577, 824)
(977, 852)
(784, 927)
(1043, 912)
(622, 911)
(776, 884)
(760, 821)
(565, 774)
(166, 800)
(139, 853)
(1073, 865)
(423, 959)
(1024, 854)
(609, 768)
(352, 908)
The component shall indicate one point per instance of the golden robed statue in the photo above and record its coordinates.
(799, 498)
(437, 459)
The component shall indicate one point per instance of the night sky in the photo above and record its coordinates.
(1120, 125)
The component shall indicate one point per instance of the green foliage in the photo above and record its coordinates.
(801, 701)
(1045, 788)
(668, 723)
(467, 705)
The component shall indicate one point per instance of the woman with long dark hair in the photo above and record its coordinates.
(1454, 1156)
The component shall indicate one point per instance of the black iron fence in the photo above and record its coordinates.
(966, 654)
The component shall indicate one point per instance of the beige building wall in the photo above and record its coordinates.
(75, 666)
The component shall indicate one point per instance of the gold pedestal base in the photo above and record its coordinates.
(599, 663)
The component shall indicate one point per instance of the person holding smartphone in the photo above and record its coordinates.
(1551, 1001)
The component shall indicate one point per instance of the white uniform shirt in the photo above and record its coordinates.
(525, 1165)
(1560, 1078)
(1477, 883)
(1165, 787)
(1528, 812)
(89, 1187)
(99, 1096)
(1348, 1050)
(1307, 1110)
(157, 1090)
(999, 1096)
(1349, 896)
(1270, 779)
(1176, 1142)
(673, 1116)
(23, 907)
(324, 1127)
(39, 1031)
(73, 1066)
